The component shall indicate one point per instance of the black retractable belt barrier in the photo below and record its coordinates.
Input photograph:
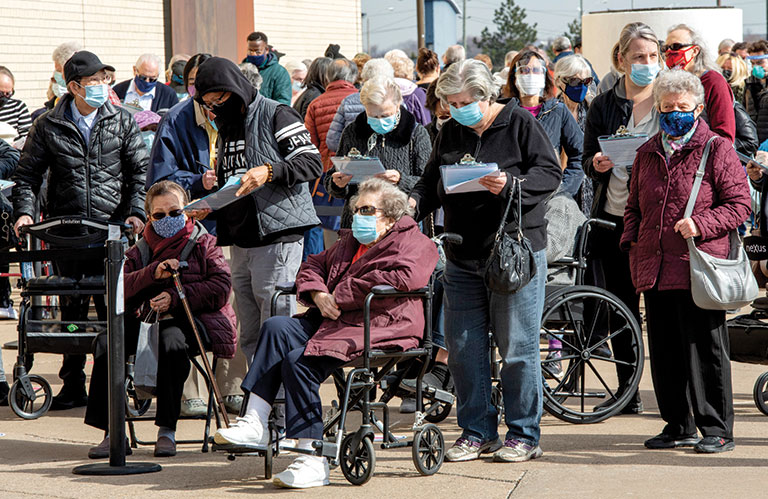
(116, 356)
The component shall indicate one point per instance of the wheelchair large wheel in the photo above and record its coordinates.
(134, 406)
(589, 322)
(31, 407)
(357, 463)
(760, 393)
(428, 449)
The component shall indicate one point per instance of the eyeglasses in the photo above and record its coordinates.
(96, 79)
(575, 82)
(210, 105)
(366, 210)
(675, 47)
(525, 70)
(148, 79)
(159, 215)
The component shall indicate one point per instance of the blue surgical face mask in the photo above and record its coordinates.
(677, 123)
(577, 93)
(169, 226)
(143, 85)
(364, 228)
(59, 78)
(213, 125)
(148, 136)
(257, 60)
(296, 86)
(758, 72)
(60, 86)
(468, 115)
(644, 74)
(383, 126)
(96, 95)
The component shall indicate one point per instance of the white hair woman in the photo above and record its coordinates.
(686, 49)
(509, 136)
(688, 345)
(60, 56)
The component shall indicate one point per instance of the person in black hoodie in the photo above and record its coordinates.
(509, 136)
(265, 144)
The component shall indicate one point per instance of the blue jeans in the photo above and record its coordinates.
(471, 310)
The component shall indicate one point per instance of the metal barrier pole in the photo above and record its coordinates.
(116, 371)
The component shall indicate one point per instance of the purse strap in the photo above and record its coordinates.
(515, 189)
(699, 178)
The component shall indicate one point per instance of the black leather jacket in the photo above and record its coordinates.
(103, 179)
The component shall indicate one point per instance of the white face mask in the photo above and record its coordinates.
(530, 84)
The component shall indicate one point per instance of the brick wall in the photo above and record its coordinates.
(118, 31)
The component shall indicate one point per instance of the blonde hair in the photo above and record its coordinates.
(403, 67)
(740, 71)
(630, 33)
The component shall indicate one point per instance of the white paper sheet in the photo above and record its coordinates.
(466, 178)
(361, 169)
(219, 199)
(622, 150)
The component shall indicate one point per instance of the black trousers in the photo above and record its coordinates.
(75, 308)
(280, 359)
(609, 269)
(690, 364)
(176, 344)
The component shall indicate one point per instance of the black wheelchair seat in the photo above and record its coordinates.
(54, 284)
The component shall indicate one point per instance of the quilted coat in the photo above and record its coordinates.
(207, 285)
(658, 193)
(404, 258)
(349, 109)
(320, 115)
(103, 179)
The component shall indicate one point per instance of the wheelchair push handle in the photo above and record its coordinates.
(449, 237)
(599, 222)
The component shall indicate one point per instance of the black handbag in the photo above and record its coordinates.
(510, 265)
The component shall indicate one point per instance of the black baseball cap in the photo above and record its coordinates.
(83, 63)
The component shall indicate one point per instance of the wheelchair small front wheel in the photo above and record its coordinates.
(428, 449)
(357, 463)
(760, 393)
(34, 405)
(438, 416)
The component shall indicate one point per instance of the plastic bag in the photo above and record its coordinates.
(147, 352)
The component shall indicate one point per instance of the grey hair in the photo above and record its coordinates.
(570, 66)
(402, 66)
(393, 202)
(509, 56)
(379, 90)
(395, 53)
(468, 75)
(630, 33)
(293, 65)
(63, 52)
(702, 62)
(251, 73)
(725, 44)
(148, 57)
(677, 81)
(561, 44)
(454, 53)
(376, 67)
(341, 69)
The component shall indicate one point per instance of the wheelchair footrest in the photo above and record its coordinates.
(240, 450)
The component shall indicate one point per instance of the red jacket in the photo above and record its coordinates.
(658, 195)
(207, 285)
(718, 97)
(404, 259)
(320, 116)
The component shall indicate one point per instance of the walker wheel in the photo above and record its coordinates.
(357, 463)
(428, 449)
(31, 405)
(760, 393)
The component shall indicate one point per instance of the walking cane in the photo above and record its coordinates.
(206, 364)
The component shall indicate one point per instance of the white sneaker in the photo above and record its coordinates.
(8, 313)
(303, 473)
(247, 430)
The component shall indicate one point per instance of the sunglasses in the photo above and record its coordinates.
(148, 79)
(525, 70)
(159, 215)
(575, 82)
(366, 210)
(675, 47)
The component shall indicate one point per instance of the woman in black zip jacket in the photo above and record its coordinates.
(628, 104)
(509, 136)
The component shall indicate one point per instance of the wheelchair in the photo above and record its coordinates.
(354, 451)
(586, 320)
(41, 328)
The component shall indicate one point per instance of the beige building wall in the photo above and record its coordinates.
(302, 29)
(118, 31)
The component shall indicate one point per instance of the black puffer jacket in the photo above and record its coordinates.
(305, 99)
(103, 180)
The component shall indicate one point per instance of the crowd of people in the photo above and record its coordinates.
(138, 151)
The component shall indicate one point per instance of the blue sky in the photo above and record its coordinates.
(394, 21)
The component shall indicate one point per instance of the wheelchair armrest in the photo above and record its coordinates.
(286, 287)
(386, 290)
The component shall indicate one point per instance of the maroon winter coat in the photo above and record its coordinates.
(658, 195)
(404, 259)
(207, 284)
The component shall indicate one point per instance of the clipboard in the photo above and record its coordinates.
(465, 175)
(360, 167)
(746, 159)
(219, 199)
(622, 146)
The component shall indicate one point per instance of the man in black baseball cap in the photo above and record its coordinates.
(83, 63)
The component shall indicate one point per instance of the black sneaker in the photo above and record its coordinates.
(666, 441)
(712, 445)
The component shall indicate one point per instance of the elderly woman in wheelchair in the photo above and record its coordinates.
(171, 237)
(384, 247)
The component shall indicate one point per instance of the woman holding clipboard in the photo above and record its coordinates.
(628, 104)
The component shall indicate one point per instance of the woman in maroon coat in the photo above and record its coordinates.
(688, 345)
(149, 290)
(384, 246)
